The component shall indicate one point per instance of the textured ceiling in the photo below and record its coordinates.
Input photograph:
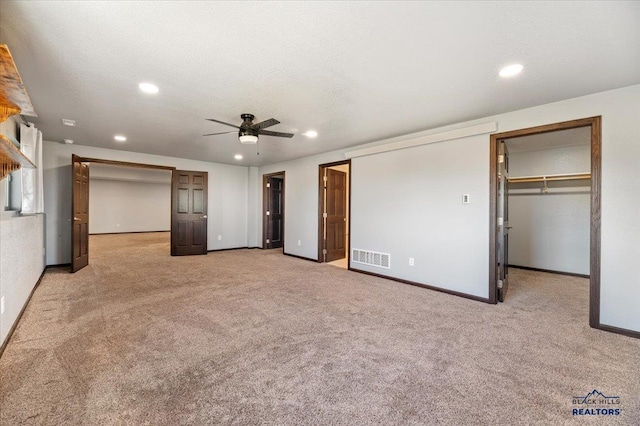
(354, 71)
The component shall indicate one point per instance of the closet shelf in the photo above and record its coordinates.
(550, 178)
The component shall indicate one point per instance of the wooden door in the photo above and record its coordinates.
(503, 221)
(188, 213)
(336, 214)
(274, 212)
(80, 214)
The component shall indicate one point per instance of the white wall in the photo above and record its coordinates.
(21, 263)
(550, 230)
(620, 285)
(408, 203)
(255, 208)
(128, 199)
(21, 252)
(228, 188)
(128, 206)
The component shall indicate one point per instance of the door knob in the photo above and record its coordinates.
(204, 217)
(76, 218)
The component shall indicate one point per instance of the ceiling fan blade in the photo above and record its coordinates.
(222, 122)
(264, 124)
(220, 133)
(278, 134)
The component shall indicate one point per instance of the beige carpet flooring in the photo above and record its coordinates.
(255, 337)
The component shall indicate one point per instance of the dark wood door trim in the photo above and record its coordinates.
(265, 206)
(595, 123)
(125, 164)
(321, 169)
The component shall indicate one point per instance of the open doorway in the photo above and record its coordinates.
(273, 193)
(545, 206)
(125, 199)
(137, 198)
(333, 215)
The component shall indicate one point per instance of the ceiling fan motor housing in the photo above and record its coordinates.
(247, 118)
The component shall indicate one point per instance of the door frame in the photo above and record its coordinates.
(595, 123)
(265, 204)
(321, 206)
(113, 163)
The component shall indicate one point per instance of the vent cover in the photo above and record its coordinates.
(372, 258)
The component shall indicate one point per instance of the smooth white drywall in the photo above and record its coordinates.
(128, 206)
(227, 203)
(408, 203)
(21, 251)
(550, 230)
(21, 264)
(128, 199)
(620, 228)
(253, 216)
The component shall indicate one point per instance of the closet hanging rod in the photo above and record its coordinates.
(550, 178)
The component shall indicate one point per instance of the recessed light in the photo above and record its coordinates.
(311, 134)
(148, 88)
(68, 141)
(511, 70)
(120, 138)
(68, 122)
(238, 157)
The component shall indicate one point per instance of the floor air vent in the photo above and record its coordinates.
(372, 258)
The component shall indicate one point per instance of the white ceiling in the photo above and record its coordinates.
(354, 71)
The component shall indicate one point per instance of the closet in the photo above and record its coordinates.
(549, 201)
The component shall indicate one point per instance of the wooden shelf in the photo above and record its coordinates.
(11, 159)
(14, 99)
(550, 178)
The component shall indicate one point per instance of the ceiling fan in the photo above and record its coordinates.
(249, 131)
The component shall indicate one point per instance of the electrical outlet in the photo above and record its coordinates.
(219, 237)
(2, 305)
(466, 199)
(411, 262)
(299, 243)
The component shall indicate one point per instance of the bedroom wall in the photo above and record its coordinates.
(21, 252)
(227, 202)
(128, 206)
(550, 230)
(407, 211)
(128, 199)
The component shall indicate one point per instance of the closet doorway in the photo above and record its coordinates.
(334, 211)
(545, 205)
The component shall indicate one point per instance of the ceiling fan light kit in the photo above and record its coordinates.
(247, 138)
